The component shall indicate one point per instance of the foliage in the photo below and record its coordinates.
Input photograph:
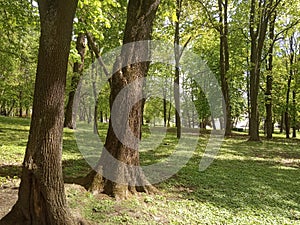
(18, 53)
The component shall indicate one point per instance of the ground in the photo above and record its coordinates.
(248, 183)
(8, 196)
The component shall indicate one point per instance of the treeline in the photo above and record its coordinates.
(251, 46)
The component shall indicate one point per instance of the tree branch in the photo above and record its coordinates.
(92, 44)
(184, 46)
(277, 38)
(210, 18)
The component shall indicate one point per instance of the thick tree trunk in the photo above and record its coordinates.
(73, 100)
(268, 92)
(41, 198)
(120, 143)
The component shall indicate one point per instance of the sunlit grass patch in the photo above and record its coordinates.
(247, 183)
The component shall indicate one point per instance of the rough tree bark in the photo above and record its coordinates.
(73, 100)
(41, 199)
(140, 16)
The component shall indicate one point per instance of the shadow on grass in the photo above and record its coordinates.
(72, 169)
(10, 171)
(277, 149)
(15, 121)
(242, 184)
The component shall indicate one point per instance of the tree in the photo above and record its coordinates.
(140, 17)
(269, 80)
(41, 194)
(260, 14)
(90, 16)
(224, 62)
(18, 53)
(221, 27)
(70, 114)
(290, 68)
(177, 69)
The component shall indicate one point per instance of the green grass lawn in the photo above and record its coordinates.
(248, 183)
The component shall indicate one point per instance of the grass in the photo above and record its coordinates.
(248, 183)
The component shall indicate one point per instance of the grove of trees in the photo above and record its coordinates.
(252, 47)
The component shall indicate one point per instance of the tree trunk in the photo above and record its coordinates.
(213, 122)
(221, 121)
(165, 102)
(268, 92)
(224, 63)
(281, 123)
(120, 143)
(248, 93)
(11, 108)
(177, 71)
(73, 100)
(170, 106)
(294, 115)
(20, 104)
(101, 117)
(257, 35)
(41, 198)
(287, 114)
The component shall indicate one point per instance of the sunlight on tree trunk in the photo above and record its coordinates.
(140, 16)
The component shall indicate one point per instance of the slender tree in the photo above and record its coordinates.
(269, 83)
(294, 115)
(41, 198)
(177, 70)
(73, 100)
(290, 77)
(224, 62)
(260, 13)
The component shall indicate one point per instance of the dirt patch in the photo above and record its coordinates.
(8, 196)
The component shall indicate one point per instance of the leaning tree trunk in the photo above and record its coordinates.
(73, 100)
(119, 143)
(41, 199)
